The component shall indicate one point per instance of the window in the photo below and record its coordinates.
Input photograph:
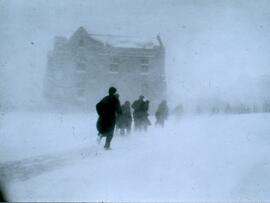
(144, 68)
(114, 66)
(115, 60)
(145, 61)
(144, 65)
(82, 59)
(81, 43)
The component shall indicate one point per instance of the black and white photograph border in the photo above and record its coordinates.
(134, 100)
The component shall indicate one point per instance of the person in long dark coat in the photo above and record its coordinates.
(107, 109)
(125, 119)
(162, 113)
(138, 112)
(3, 195)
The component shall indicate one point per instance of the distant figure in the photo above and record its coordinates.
(162, 113)
(145, 120)
(228, 108)
(117, 124)
(179, 110)
(107, 110)
(199, 109)
(125, 119)
(138, 112)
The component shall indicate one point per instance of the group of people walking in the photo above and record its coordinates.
(140, 114)
(112, 114)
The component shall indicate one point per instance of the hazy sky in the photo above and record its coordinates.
(214, 48)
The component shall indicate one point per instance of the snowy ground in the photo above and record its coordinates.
(54, 157)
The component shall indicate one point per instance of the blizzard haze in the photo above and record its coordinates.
(214, 145)
(214, 49)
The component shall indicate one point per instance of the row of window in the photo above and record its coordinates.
(116, 60)
(81, 65)
(145, 60)
(114, 68)
(81, 90)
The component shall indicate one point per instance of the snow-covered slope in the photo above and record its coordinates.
(54, 157)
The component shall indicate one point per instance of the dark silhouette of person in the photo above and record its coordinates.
(162, 113)
(145, 120)
(137, 106)
(117, 119)
(107, 110)
(179, 110)
(125, 119)
(3, 196)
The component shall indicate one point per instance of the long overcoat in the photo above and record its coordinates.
(107, 109)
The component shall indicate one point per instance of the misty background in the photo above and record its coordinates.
(215, 50)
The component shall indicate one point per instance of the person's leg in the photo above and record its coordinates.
(145, 127)
(109, 137)
(162, 122)
(122, 131)
(139, 124)
(129, 128)
(136, 125)
(159, 122)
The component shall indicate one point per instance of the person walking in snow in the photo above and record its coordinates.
(145, 120)
(125, 119)
(117, 119)
(107, 110)
(162, 113)
(138, 112)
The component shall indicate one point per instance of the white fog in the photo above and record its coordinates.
(212, 147)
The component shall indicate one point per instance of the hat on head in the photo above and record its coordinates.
(112, 90)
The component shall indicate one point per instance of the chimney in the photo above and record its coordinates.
(159, 40)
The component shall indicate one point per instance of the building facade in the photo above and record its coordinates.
(81, 69)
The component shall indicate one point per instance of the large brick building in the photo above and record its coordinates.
(80, 69)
